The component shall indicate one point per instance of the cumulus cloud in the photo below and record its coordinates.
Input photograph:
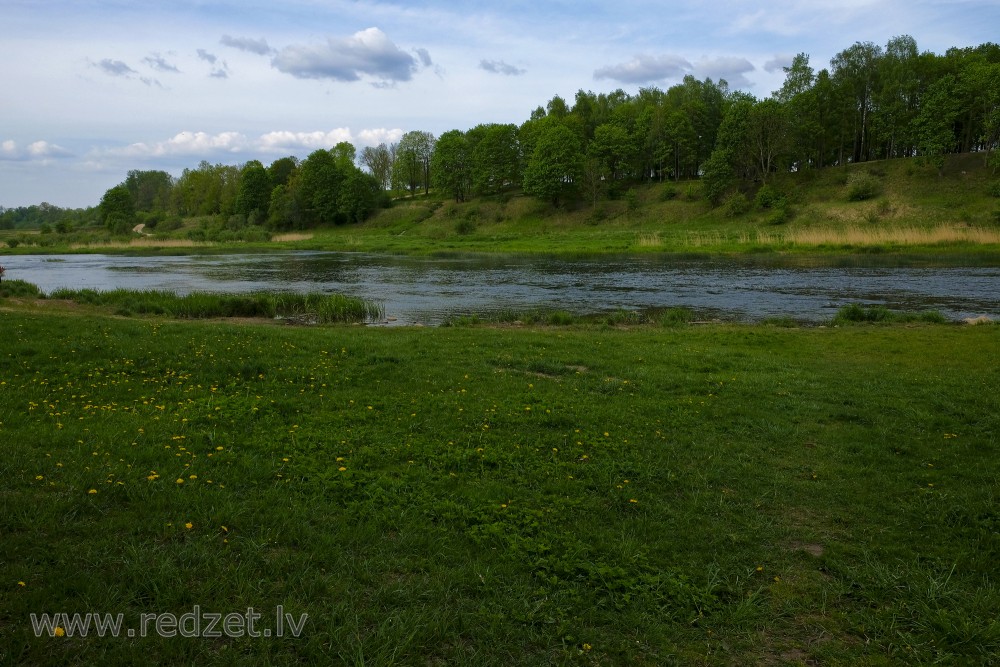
(500, 67)
(258, 46)
(731, 68)
(646, 68)
(189, 144)
(159, 63)
(369, 53)
(283, 140)
(37, 150)
(778, 63)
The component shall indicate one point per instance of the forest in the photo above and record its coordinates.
(871, 103)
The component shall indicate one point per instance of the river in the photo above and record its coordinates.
(429, 290)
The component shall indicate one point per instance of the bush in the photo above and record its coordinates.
(769, 198)
(862, 185)
(735, 205)
(668, 192)
(18, 289)
(994, 189)
(465, 226)
(13, 243)
(855, 313)
(779, 216)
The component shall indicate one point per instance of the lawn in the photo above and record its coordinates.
(578, 495)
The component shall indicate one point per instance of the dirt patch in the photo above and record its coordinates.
(811, 548)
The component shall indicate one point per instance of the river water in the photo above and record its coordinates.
(429, 290)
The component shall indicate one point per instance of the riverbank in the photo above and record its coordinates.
(809, 217)
(577, 495)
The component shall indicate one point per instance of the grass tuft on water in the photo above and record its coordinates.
(319, 308)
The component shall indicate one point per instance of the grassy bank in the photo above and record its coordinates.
(908, 208)
(487, 496)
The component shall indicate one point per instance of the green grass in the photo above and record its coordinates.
(316, 308)
(572, 495)
(892, 208)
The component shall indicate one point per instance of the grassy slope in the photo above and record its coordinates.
(918, 211)
(465, 496)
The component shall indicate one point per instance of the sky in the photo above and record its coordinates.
(90, 89)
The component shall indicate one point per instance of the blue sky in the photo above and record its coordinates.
(93, 88)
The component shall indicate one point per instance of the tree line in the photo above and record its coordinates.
(871, 103)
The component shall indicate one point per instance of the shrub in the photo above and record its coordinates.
(994, 189)
(862, 185)
(779, 216)
(13, 243)
(769, 198)
(735, 205)
(18, 289)
(465, 226)
(668, 192)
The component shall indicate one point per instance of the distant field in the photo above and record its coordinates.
(568, 495)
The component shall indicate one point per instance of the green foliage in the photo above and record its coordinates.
(862, 185)
(451, 165)
(254, 195)
(994, 189)
(769, 197)
(13, 243)
(856, 313)
(667, 193)
(678, 316)
(17, 289)
(306, 308)
(736, 205)
(150, 190)
(555, 166)
(118, 210)
(631, 200)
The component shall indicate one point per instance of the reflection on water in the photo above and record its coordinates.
(431, 289)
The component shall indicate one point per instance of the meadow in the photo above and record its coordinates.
(951, 218)
(493, 495)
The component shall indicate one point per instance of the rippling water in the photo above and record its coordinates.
(431, 289)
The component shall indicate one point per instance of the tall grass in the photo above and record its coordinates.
(319, 308)
(866, 236)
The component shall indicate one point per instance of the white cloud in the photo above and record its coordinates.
(731, 68)
(646, 68)
(35, 151)
(202, 145)
(368, 52)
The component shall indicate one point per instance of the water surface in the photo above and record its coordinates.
(431, 289)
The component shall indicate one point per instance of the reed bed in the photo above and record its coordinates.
(318, 308)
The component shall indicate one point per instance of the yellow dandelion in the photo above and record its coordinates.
(92, 491)
(60, 632)
(192, 476)
(21, 583)
(180, 480)
(632, 500)
(341, 469)
(189, 525)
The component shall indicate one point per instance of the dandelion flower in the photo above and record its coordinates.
(180, 480)
(60, 632)
(189, 525)
(92, 491)
(21, 583)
